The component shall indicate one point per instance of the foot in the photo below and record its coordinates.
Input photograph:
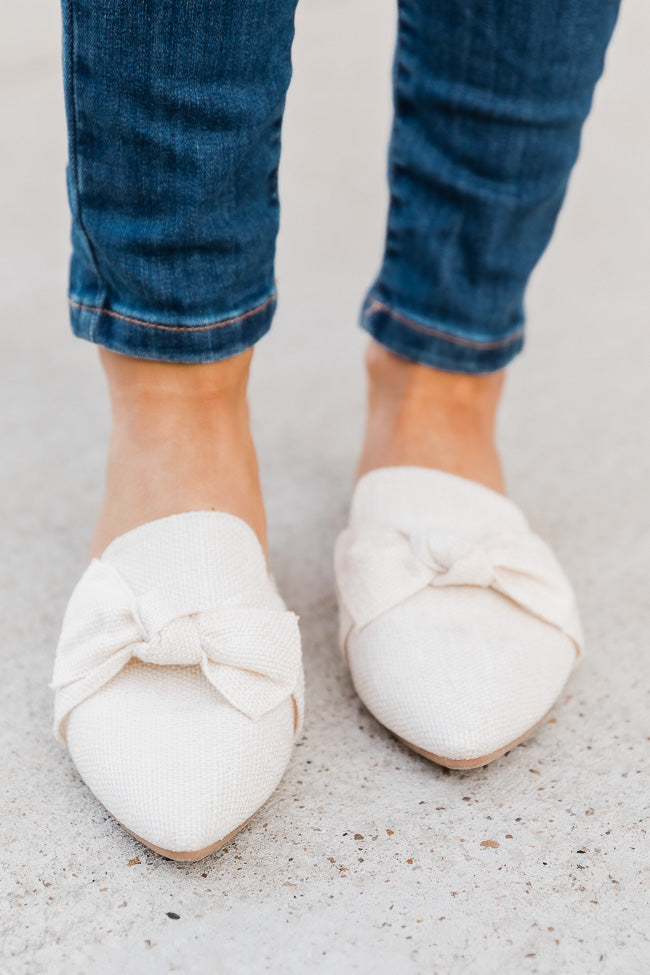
(178, 681)
(424, 417)
(458, 624)
(180, 442)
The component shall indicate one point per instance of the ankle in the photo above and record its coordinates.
(397, 381)
(180, 442)
(150, 397)
(419, 416)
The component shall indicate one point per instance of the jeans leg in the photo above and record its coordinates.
(174, 113)
(490, 97)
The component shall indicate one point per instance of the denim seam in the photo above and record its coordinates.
(74, 156)
(398, 73)
(173, 328)
(376, 305)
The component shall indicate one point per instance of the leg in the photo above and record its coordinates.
(489, 103)
(178, 673)
(174, 113)
(459, 625)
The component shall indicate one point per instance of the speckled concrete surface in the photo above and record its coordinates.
(367, 859)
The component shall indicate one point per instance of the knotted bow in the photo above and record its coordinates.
(380, 568)
(250, 654)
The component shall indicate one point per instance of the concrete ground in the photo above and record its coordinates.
(367, 859)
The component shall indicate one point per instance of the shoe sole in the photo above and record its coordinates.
(189, 856)
(466, 763)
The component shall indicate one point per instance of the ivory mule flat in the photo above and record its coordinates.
(458, 624)
(178, 680)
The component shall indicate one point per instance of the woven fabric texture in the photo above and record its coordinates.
(178, 679)
(457, 621)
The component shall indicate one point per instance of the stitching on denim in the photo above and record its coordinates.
(74, 124)
(173, 328)
(398, 88)
(375, 306)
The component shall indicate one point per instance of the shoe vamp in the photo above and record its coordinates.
(459, 672)
(172, 759)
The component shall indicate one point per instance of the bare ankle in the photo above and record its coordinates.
(145, 394)
(428, 417)
(181, 442)
(393, 377)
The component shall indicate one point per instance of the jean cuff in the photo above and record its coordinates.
(203, 342)
(433, 346)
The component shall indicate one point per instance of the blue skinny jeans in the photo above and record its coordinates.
(174, 112)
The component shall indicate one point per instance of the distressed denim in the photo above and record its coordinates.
(174, 112)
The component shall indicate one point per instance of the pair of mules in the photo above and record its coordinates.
(178, 675)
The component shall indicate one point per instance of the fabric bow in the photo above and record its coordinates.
(250, 654)
(380, 568)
